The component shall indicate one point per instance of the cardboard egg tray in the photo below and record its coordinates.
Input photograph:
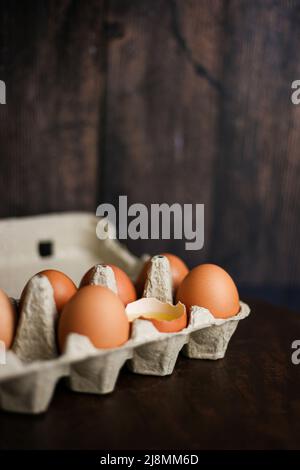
(33, 366)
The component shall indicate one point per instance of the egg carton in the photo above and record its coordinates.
(28, 380)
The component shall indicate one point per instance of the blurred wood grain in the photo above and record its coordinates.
(165, 101)
(162, 107)
(51, 58)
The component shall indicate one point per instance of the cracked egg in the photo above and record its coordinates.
(166, 318)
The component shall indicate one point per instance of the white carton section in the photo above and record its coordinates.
(71, 238)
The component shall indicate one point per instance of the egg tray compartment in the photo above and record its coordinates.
(28, 387)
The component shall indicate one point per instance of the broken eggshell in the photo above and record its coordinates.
(166, 318)
(158, 357)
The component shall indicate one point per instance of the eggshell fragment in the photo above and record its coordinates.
(95, 312)
(165, 317)
(8, 319)
(211, 287)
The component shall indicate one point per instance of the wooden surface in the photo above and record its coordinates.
(165, 101)
(249, 400)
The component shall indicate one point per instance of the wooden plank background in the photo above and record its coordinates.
(165, 101)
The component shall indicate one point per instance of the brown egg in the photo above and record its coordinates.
(211, 287)
(126, 289)
(8, 320)
(178, 269)
(63, 287)
(165, 317)
(95, 312)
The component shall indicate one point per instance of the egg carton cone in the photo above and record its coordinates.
(158, 357)
(98, 374)
(34, 366)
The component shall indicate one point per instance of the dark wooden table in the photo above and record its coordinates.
(248, 400)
